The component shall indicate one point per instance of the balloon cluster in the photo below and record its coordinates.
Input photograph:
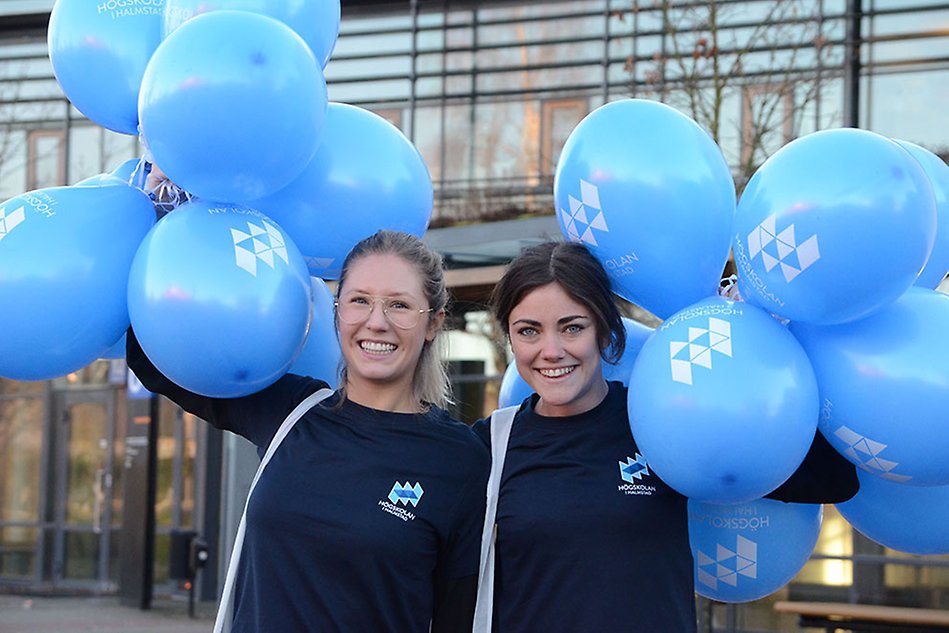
(270, 186)
(834, 326)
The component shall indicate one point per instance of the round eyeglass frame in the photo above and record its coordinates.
(385, 311)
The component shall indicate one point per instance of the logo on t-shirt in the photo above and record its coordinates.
(632, 471)
(405, 494)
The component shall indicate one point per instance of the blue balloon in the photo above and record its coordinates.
(723, 402)
(636, 336)
(938, 173)
(65, 255)
(833, 226)
(648, 191)
(910, 519)
(884, 387)
(321, 356)
(514, 389)
(316, 21)
(99, 51)
(219, 299)
(748, 551)
(131, 172)
(232, 105)
(116, 351)
(365, 176)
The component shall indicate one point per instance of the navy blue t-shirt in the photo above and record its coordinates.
(361, 521)
(588, 538)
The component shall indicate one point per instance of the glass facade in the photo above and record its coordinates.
(489, 92)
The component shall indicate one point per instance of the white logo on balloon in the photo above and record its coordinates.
(866, 454)
(719, 336)
(260, 243)
(578, 218)
(727, 565)
(9, 221)
(782, 245)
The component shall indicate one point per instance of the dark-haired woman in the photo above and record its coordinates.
(568, 550)
(367, 517)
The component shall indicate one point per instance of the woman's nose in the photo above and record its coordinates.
(552, 349)
(377, 318)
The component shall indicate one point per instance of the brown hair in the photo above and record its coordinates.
(573, 268)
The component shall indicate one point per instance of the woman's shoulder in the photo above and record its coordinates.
(455, 432)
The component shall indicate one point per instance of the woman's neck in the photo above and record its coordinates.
(394, 399)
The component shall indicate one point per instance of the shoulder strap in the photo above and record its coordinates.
(224, 614)
(501, 422)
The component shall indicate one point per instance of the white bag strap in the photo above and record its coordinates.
(224, 613)
(501, 422)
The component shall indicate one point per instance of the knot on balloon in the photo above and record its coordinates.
(728, 288)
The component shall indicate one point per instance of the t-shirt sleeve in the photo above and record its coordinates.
(256, 416)
(824, 476)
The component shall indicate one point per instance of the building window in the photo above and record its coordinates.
(46, 159)
(558, 118)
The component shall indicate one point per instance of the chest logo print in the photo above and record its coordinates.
(633, 470)
(406, 494)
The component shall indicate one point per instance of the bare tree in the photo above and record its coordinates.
(765, 62)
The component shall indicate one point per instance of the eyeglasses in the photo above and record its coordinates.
(354, 308)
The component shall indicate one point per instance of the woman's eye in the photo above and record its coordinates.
(398, 305)
(359, 300)
(527, 331)
(574, 329)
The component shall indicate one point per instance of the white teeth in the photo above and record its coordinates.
(373, 346)
(557, 372)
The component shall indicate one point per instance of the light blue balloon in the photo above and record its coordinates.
(219, 299)
(884, 387)
(648, 191)
(65, 255)
(514, 389)
(938, 173)
(321, 356)
(636, 335)
(833, 226)
(116, 351)
(232, 105)
(723, 402)
(365, 176)
(99, 50)
(316, 21)
(747, 551)
(910, 519)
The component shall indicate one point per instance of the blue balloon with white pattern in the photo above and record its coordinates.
(747, 551)
(514, 389)
(648, 191)
(938, 173)
(723, 402)
(884, 385)
(316, 21)
(99, 52)
(232, 105)
(365, 176)
(910, 519)
(65, 255)
(219, 299)
(320, 356)
(833, 226)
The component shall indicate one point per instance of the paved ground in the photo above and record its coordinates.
(21, 614)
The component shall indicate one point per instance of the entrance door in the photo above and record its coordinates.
(85, 432)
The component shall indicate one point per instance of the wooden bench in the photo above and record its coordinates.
(841, 616)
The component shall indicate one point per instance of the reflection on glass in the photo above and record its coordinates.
(21, 442)
(87, 451)
(17, 551)
(81, 556)
(834, 540)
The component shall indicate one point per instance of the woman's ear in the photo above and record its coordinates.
(434, 325)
